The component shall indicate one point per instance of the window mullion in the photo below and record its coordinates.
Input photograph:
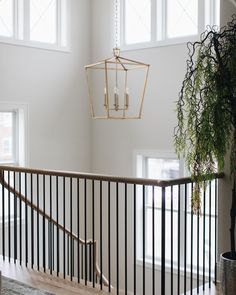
(58, 27)
(164, 19)
(15, 19)
(153, 20)
(201, 16)
(26, 20)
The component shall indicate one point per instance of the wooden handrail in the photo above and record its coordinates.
(22, 198)
(102, 177)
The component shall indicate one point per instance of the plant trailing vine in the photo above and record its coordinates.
(206, 111)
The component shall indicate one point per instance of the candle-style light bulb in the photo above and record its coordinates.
(126, 97)
(105, 98)
(116, 98)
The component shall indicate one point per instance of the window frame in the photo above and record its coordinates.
(20, 140)
(20, 143)
(203, 20)
(141, 158)
(25, 41)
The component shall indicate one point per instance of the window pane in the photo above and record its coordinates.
(182, 18)
(43, 19)
(162, 168)
(6, 18)
(137, 21)
(6, 137)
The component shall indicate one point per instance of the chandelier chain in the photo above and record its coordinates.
(116, 23)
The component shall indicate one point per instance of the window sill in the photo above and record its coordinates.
(148, 265)
(157, 44)
(12, 220)
(33, 44)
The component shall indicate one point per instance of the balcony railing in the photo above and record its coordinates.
(127, 235)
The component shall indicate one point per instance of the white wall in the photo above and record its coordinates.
(113, 142)
(53, 85)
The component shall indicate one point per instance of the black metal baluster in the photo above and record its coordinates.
(71, 231)
(73, 256)
(3, 216)
(163, 244)
(85, 229)
(209, 234)
(134, 239)
(78, 229)
(179, 204)
(58, 237)
(44, 225)
(144, 237)
(15, 217)
(117, 239)
(64, 226)
(32, 223)
(9, 217)
(191, 266)
(109, 235)
(153, 240)
(20, 219)
(90, 262)
(126, 256)
(171, 242)
(26, 223)
(53, 245)
(93, 232)
(198, 250)
(50, 223)
(204, 234)
(216, 230)
(185, 236)
(101, 234)
(38, 221)
(68, 254)
(82, 261)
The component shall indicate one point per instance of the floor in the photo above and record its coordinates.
(59, 286)
(213, 291)
(44, 281)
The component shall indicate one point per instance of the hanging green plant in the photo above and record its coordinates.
(206, 110)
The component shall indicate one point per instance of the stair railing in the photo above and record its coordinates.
(138, 235)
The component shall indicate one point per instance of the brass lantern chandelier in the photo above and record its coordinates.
(115, 90)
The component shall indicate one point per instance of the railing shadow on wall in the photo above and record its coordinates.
(125, 235)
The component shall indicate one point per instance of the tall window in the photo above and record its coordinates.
(164, 165)
(35, 23)
(13, 129)
(156, 22)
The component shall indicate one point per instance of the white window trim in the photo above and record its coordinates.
(154, 154)
(26, 42)
(140, 170)
(21, 145)
(21, 125)
(211, 20)
(139, 157)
